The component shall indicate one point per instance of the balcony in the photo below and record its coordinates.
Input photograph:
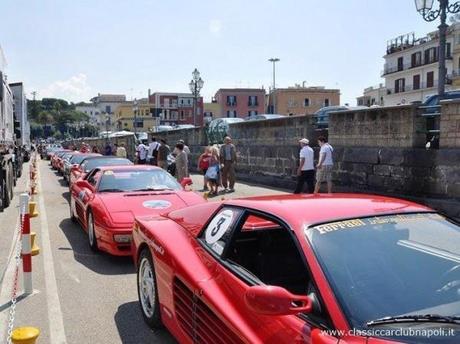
(422, 86)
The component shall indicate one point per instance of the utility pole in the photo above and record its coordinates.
(274, 60)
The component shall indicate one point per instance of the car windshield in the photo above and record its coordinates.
(78, 158)
(88, 165)
(389, 266)
(137, 180)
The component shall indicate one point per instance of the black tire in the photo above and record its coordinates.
(92, 240)
(150, 312)
(5, 195)
(72, 216)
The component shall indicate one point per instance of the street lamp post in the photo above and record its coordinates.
(107, 119)
(274, 60)
(195, 85)
(424, 7)
(135, 110)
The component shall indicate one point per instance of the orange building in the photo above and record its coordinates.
(300, 100)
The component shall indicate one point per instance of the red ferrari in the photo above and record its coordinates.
(339, 268)
(106, 200)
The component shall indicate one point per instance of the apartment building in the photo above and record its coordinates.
(300, 100)
(374, 95)
(240, 102)
(176, 108)
(143, 121)
(411, 66)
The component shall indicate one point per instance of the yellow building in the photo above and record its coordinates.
(124, 117)
(211, 110)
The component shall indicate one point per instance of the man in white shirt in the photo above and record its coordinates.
(325, 163)
(306, 170)
(153, 151)
(142, 153)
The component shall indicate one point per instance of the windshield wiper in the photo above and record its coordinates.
(112, 190)
(415, 318)
(151, 189)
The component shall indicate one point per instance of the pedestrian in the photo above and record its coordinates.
(203, 165)
(213, 172)
(306, 170)
(152, 153)
(84, 148)
(186, 149)
(325, 163)
(95, 149)
(163, 152)
(181, 162)
(142, 151)
(108, 149)
(121, 151)
(228, 160)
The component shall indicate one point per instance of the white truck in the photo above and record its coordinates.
(8, 172)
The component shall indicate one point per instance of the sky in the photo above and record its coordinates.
(75, 49)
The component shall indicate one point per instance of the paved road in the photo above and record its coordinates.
(81, 297)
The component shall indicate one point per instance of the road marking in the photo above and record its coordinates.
(56, 322)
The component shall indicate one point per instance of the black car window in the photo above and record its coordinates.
(267, 250)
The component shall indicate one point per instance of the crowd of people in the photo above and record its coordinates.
(217, 164)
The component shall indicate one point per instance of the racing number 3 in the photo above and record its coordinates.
(216, 229)
(218, 226)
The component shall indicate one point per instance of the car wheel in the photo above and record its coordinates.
(72, 212)
(91, 233)
(147, 290)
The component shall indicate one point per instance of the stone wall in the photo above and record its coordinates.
(396, 126)
(450, 124)
(377, 150)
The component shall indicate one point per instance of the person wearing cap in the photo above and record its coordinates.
(306, 170)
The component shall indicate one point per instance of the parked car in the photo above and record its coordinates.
(74, 160)
(263, 116)
(264, 270)
(78, 171)
(108, 198)
(161, 128)
(321, 117)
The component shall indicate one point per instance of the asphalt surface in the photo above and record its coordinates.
(80, 296)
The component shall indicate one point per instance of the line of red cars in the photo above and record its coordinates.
(339, 268)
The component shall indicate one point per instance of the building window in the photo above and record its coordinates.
(189, 102)
(448, 55)
(430, 79)
(399, 85)
(231, 100)
(326, 102)
(416, 59)
(306, 102)
(231, 113)
(431, 55)
(252, 113)
(252, 101)
(108, 109)
(416, 82)
(181, 114)
(400, 63)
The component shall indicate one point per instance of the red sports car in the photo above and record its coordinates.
(339, 268)
(106, 200)
(80, 170)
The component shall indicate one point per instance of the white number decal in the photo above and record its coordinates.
(218, 226)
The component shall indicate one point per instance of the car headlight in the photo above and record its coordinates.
(122, 238)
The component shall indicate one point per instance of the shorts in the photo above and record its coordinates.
(324, 174)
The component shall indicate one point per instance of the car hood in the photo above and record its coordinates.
(123, 207)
